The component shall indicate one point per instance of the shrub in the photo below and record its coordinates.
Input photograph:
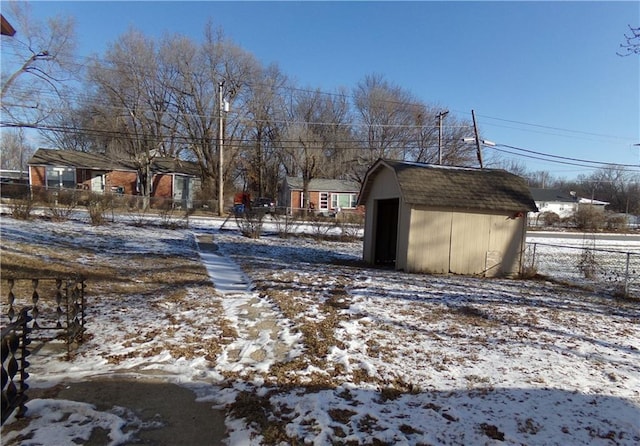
(21, 209)
(286, 224)
(250, 223)
(350, 224)
(61, 204)
(589, 218)
(550, 218)
(616, 222)
(321, 225)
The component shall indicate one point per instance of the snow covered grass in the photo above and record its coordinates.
(308, 345)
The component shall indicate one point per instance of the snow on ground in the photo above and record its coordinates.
(335, 352)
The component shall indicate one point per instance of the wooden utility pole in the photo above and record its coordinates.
(220, 154)
(440, 116)
(475, 130)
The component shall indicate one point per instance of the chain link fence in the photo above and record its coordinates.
(616, 272)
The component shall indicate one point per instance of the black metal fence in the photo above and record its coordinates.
(613, 271)
(15, 339)
(50, 308)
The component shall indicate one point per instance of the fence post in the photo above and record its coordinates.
(533, 256)
(626, 276)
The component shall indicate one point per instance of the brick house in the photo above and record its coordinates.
(63, 169)
(326, 196)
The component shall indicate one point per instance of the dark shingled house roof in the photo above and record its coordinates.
(455, 187)
(70, 158)
(555, 195)
(96, 161)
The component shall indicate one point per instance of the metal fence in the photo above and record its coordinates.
(51, 308)
(615, 272)
(57, 306)
(15, 339)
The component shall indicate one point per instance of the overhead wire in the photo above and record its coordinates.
(529, 153)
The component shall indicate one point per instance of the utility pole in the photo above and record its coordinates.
(440, 116)
(475, 130)
(220, 154)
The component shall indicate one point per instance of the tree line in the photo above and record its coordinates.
(174, 97)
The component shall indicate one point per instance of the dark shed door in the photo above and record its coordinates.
(386, 231)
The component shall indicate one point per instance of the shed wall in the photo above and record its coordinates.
(444, 241)
(429, 241)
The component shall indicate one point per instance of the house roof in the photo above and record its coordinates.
(454, 187)
(96, 161)
(324, 185)
(557, 195)
(71, 158)
(5, 27)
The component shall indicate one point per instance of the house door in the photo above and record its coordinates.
(386, 231)
(97, 182)
(181, 191)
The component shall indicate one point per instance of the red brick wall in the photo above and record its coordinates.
(37, 176)
(127, 180)
(163, 186)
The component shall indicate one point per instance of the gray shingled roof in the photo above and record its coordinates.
(455, 187)
(324, 185)
(96, 161)
(557, 195)
(70, 158)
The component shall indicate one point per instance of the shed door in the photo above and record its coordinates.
(386, 231)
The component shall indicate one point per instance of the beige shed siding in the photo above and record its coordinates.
(469, 242)
(428, 248)
(445, 241)
(384, 187)
(506, 237)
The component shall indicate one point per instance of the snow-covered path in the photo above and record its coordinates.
(261, 339)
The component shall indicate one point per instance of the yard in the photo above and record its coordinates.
(322, 349)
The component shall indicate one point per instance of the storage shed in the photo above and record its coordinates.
(440, 219)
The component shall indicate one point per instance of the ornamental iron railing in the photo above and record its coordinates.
(15, 339)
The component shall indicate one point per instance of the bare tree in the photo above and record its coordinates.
(199, 72)
(318, 121)
(264, 115)
(632, 45)
(36, 62)
(615, 185)
(385, 124)
(133, 105)
(15, 151)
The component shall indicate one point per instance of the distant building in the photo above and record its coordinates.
(554, 200)
(326, 196)
(63, 169)
(563, 204)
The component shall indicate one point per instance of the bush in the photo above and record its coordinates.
(589, 218)
(321, 225)
(21, 209)
(550, 218)
(98, 205)
(61, 204)
(616, 222)
(250, 223)
(350, 224)
(286, 224)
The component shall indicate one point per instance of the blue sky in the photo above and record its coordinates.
(542, 76)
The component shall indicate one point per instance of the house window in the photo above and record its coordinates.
(61, 177)
(324, 200)
(344, 201)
